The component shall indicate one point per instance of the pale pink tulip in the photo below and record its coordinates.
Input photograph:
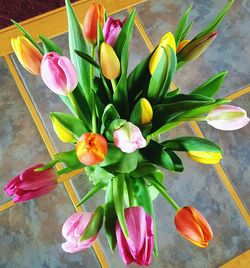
(111, 30)
(72, 231)
(58, 73)
(30, 184)
(139, 247)
(227, 117)
(129, 138)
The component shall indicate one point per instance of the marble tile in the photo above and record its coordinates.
(236, 147)
(32, 235)
(46, 101)
(230, 51)
(20, 143)
(200, 187)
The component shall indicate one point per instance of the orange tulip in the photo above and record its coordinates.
(193, 226)
(28, 55)
(91, 149)
(94, 14)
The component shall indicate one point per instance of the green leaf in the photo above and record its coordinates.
(181, 26)
(144, 200)
(109, 114)
(164, 128)
(69, 158)
(144, 168)
(94, 225)
(87, 58)
(172, 93)
(122, 44)
(28, 36)
(100, 37)
(47, 166)
(70, 122)
(136, 114)
(191, 144)
(159, 176)
(95, 189)
(118, 192)
(186, 31)
(49, 45)
(157, 154)
(114, 125)
(77, 42)
(110, 217)
(158, 77)
(98, 174)
(216, 21)
(211, 86)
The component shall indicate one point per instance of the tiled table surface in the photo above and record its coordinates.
(32, 231)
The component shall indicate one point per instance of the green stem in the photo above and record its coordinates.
(130, 191)
(114, 85)
(92, 95)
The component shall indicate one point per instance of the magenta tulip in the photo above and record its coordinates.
(72, 231)
(129, 138)
(30, 184)
(227, 117)
(139, 247)
(58, 73)
(111, 30)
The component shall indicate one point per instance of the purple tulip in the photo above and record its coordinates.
(72, 231)
(129, 138)
(30, 184)
(58, 73)
(111, 30)
(139, 247)
(227, 117)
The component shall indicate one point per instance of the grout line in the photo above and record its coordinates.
(47, 142)
(219, 169)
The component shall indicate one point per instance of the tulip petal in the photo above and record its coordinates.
(229, 125)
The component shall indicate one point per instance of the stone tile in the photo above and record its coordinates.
(32, 234)
(20, 145)
(236, 147)
(200, 187)
(230, 51)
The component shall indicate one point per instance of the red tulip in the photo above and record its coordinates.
(139, 247)
(91, 149)
(94, 14)
(193, 226)
(30, 184)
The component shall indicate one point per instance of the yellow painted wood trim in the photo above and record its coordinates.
(238, 93)
(48, 144)
(220, 171)
(54, 23)
(74, 199)
(241, 261)
(7, 205)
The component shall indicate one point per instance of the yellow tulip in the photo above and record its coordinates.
(182, 44)
(28, 55)
(205, 157)
(167, 39)
(63, 134)
(147, 112)
(110, 64)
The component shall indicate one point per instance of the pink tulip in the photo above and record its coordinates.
(72, 231)
(139, 247)
(129, 138)
(30, 184)
(58, 73)
(227, 117)
(111, 30)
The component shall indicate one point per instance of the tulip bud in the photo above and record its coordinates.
(58, 73)
(196, 47)
(110, 64)
(63, 134)
(147, 112)
(193, 226)
(139, 247)
(205, 157)
(91, 149)
(72, 231)
(111, 30)
(129, 138)
(94, 14)
(28, 55)
(182, 44)
(227, 117)
(167, 39)
(30, 184)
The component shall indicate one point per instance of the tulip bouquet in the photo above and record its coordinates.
(115, 125)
